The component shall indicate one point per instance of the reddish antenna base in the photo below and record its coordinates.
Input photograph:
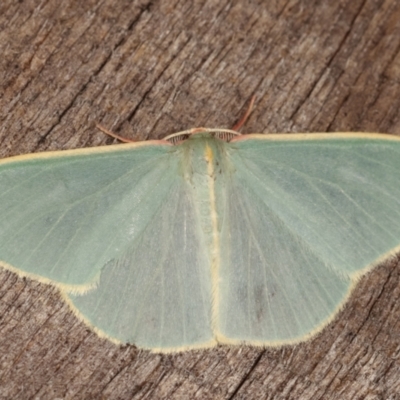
(245, 117)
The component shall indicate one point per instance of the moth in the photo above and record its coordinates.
(207, 236)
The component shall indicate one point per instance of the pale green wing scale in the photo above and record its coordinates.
(305, 215)
(119, 218)
(65, 214)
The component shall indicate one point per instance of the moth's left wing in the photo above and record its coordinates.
(64, 214)
(121, 219)
(157, 294)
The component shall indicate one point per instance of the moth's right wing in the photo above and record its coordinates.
(304, 216)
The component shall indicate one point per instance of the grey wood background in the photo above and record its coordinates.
(149, 68)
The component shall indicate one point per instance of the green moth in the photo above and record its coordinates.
(207, 236)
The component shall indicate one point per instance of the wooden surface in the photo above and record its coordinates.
(149, 68)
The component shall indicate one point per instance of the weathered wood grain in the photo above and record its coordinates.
(149, 68)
